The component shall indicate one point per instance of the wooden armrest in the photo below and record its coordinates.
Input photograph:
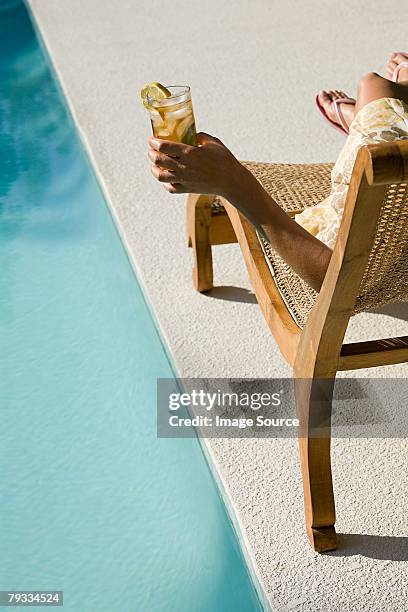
(386, 162)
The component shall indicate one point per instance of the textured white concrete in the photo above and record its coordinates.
(254, 67)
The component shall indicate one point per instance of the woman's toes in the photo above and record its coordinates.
(400, 57)
(396, 59)
(325, 97)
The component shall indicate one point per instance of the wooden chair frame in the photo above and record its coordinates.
(316, 351)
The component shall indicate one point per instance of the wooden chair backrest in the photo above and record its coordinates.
(369, 265)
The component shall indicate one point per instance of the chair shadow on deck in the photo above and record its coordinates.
(392, 548)
(232, 294)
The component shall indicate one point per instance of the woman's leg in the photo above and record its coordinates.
(374, 87)
(371, 87)
(305, 254)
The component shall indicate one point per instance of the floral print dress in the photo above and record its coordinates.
(382, 120)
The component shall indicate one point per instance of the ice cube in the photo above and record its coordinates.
(156, 118)
(179, 113)
(170, 125)
(183, 126)
(163, 133)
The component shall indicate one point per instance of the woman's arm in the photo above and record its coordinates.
(211, 168)
(307, 256)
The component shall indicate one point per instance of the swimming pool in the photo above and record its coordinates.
(92, 503)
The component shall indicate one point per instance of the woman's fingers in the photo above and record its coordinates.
(163, 161)
(175, 188)
(168, 147)
(172, 164)
(167, 169)
(183, 168)
(164, 176)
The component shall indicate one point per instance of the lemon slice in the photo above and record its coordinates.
(153, 91)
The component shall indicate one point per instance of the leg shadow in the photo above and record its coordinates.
(391, 548)
(232, 294)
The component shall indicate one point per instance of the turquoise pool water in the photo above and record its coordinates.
(92, 503)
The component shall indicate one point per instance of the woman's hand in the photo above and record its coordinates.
(209, 168)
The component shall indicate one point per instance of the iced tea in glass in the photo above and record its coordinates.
(172, 118)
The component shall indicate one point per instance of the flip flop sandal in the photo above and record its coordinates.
(397, 69)
(341, 125)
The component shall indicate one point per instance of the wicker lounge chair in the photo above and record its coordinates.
(368, 268)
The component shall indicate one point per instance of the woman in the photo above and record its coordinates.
(380, 113)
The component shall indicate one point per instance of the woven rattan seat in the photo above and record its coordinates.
(298, 186)
(294, 187)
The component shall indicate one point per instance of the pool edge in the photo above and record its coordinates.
(220, 482)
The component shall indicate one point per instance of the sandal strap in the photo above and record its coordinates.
(339, 113)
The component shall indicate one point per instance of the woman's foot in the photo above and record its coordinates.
(394, 61)
(326, 99)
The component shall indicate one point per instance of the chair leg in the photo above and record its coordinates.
(313, 404)
(198, 236)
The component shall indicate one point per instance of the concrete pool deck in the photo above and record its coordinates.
(245, 63)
